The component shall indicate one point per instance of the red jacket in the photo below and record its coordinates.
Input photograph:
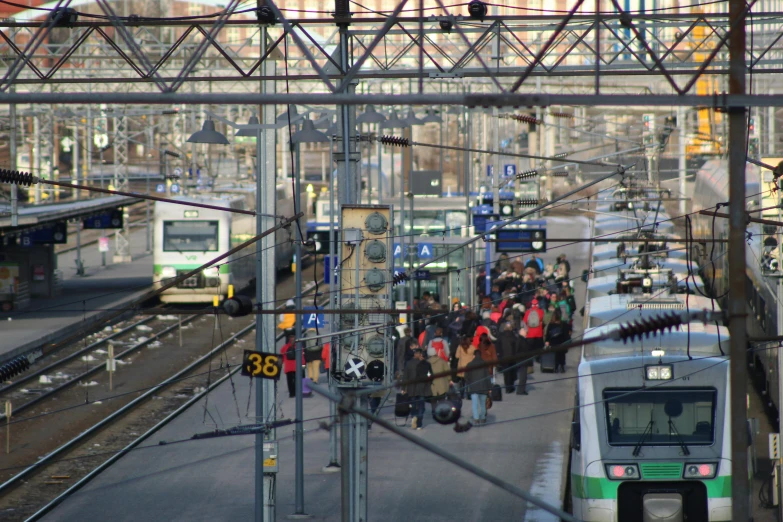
(289, 366)
(325, 355)
(477, 336)
(538, 331)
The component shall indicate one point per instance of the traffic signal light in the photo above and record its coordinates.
(238, 306)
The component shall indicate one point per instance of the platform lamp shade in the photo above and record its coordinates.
(208, 135)
(309, 134)
(291, 114)
(248, 133)
(411, 119)
(394, 121)
(370, 115)
(431, 117)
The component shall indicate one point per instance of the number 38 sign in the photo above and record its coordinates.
(261, 364)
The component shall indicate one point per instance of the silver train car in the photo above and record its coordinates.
(762, 260)
(651, 436)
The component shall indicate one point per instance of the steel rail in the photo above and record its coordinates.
(27, 377)
(95, 369)
(173, 379)
(122, 411)
(124, 451)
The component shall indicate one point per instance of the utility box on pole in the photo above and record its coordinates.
(364, 357)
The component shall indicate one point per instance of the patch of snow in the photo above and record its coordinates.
(91, 383)
(167, 318)
(143, 328)
(44, 379)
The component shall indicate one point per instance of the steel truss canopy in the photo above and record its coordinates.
(159, 55)
(720, 102)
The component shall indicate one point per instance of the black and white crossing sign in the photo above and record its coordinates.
(354, 368)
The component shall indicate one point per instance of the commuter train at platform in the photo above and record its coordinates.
(187, 237)
(651, 435)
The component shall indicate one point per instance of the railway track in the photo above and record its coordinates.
(59, 430)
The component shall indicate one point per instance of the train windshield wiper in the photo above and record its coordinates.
(638, 448)
(672, 427)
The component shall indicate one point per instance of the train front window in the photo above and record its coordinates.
(662, 417)
(190, 236)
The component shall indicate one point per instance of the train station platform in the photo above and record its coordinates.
(525, 442)
(81, 301)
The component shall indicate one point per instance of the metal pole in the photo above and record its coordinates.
(683, 170)
(265, 483)
(380, 178)
(298, 431)
(740, 491)
(13, 164)
(334, 464)
(36, 163)
(410, 260)
(147, 204)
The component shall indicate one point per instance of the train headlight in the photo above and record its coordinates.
(658, 372)
(211, 272)
(506, 210)
(699, 470)
(622, 472)
(647, 282)
(168, 272)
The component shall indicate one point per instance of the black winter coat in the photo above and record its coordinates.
(506, 344)
(477, 379)
(415, 370)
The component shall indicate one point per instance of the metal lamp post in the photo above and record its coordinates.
(265, 293)
(370, 116)
(308, 134)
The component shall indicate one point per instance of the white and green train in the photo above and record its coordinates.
(651, 439)
(187, 237)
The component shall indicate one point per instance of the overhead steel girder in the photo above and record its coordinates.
(722, 101)
(665, 45)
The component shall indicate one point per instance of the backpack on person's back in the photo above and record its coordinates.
(440, 348)
(533, 319)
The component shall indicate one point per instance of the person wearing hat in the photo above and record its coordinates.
(287, 319)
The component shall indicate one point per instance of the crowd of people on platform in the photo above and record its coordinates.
(527, 307)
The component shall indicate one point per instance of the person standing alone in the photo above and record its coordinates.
(416, 371)
(478, 385)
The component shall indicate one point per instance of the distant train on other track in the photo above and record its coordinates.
(187, 237)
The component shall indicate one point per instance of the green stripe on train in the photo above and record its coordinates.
(603, 488)
(224, 269)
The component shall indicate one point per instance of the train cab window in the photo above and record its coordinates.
(190, 236)
(663, 417)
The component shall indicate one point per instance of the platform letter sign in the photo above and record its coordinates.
(509, 171)
(261, 364)
(490, 171)
(425, 251)
(313, 319)
(397, 250)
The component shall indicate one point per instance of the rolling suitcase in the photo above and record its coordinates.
(497, 393)
(548, 361)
